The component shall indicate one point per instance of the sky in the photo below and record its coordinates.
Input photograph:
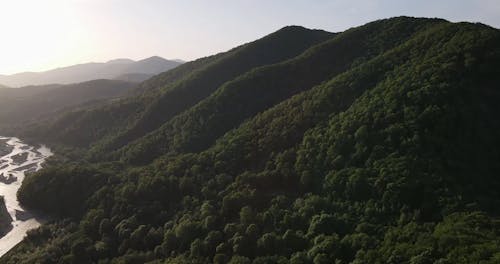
(37, 35)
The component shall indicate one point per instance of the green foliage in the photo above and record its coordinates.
(62, 190)
(379, 145)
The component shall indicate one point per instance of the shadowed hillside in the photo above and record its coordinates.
(175, 91)
(379, 144)
(20, 105)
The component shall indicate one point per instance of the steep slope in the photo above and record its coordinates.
(82, 126)
(177, 90)
(391, 158)
(89, 71)
(263, 87)
(281, 45)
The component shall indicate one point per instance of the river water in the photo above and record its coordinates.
(21, 159)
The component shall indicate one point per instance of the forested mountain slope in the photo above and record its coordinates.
(172, 92)
(379, 145)
(265, 86)
(281, 45)
(19, 105)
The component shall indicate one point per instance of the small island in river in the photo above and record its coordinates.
(5, 218)
(7, 179)
(4, 147)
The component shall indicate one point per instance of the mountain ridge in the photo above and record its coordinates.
(374, 145)
(89, 71)
(32, 103)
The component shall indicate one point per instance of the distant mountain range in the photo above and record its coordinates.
(119, 69)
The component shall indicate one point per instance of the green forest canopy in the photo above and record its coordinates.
(379, 144)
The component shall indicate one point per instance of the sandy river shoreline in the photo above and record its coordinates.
(17, 159)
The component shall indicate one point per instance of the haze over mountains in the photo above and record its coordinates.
(119, 69)
(31, 103)
(379, 144)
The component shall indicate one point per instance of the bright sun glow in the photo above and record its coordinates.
(37, 35)
(31, 30)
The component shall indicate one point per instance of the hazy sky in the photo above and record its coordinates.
(42, 34)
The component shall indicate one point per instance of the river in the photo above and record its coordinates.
(16, 159)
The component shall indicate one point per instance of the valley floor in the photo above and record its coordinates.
(16, 160)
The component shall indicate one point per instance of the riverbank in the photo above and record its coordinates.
(5, 218)
(17, 159)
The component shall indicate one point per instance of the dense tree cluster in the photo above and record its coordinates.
(378, 145)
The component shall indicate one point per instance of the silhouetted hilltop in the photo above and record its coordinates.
(90, 71)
